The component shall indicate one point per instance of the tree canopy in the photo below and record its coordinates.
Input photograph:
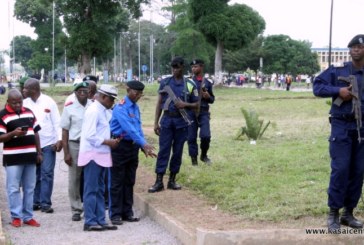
(226, 26)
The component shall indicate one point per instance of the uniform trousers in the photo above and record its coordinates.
(122, 179)
(171, 138)
(347, 165)
(202, 122)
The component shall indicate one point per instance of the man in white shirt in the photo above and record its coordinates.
(95, 157)
(46, 111)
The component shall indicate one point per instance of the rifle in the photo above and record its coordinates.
(175, 100)
(351, 79)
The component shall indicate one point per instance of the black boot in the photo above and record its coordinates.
(205, 145)
(348, 219)
(194, 161)
(158, 186)
(172, 182)
(333, 223)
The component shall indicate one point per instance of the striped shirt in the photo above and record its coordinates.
(19, 150)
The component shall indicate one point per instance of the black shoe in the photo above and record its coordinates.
(348, 219)
(48, 210)
(76, 217)
(194, 161)
(333, 223)
(116, 222)
(36, 207)
(93, 228)
(206, 159)
(109, 227)
(131, 219)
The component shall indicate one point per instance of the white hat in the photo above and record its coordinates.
(108, 90)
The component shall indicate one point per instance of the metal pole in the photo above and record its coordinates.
(94, 66)
(331, 11)
(53, 82)
(65, 65)
(121, 62)
(139, 52)
(114, 58)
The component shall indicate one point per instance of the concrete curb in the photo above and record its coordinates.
(246, 236)
(2, 235)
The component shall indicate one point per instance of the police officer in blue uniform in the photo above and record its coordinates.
(346, 148)
(126, 125)
(173, 126)
(201, 117)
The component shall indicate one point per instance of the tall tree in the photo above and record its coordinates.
(93, 25)
(283, 55)
(225, 26)
(23, 51)
(39, 14)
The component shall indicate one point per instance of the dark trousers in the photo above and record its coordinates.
(170, 139)
(347, 165)
(122, 179)
(202, 122)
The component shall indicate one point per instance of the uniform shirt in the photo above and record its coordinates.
(95, 129)
(126, 122)
(46, 111)
(19, 150)
(204, 83)
(327, 85)
(72, 118)
(186, 91)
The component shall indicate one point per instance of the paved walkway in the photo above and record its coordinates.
(57, 228)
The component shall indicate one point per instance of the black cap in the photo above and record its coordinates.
(358, 39)
(136, 85)
(90, 77)
(197, 62)
(178, 61)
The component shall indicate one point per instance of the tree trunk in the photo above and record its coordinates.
(218, 62)
(84, 67)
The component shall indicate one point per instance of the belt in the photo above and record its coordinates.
(74, 141)
(172, 113)
(344, 117)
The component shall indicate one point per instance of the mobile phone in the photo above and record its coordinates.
(24, 128)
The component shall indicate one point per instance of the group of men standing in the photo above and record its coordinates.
(101, 143)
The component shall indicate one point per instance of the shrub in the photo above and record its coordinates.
(254, 128)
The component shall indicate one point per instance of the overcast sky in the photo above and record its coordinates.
(300, 19)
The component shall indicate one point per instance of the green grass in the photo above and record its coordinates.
(284, 176)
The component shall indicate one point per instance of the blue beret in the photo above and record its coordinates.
(358, 39)
(136, 85)
(197, 62)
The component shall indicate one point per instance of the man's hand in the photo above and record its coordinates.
(180, 104)
(113, 143)
(18, 132)
(57, 146)
(205, 95)
(68, 159)
(39, 158)
(157, 129)
(149, 151)
(345, 93)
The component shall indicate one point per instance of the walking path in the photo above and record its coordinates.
(58, 229)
